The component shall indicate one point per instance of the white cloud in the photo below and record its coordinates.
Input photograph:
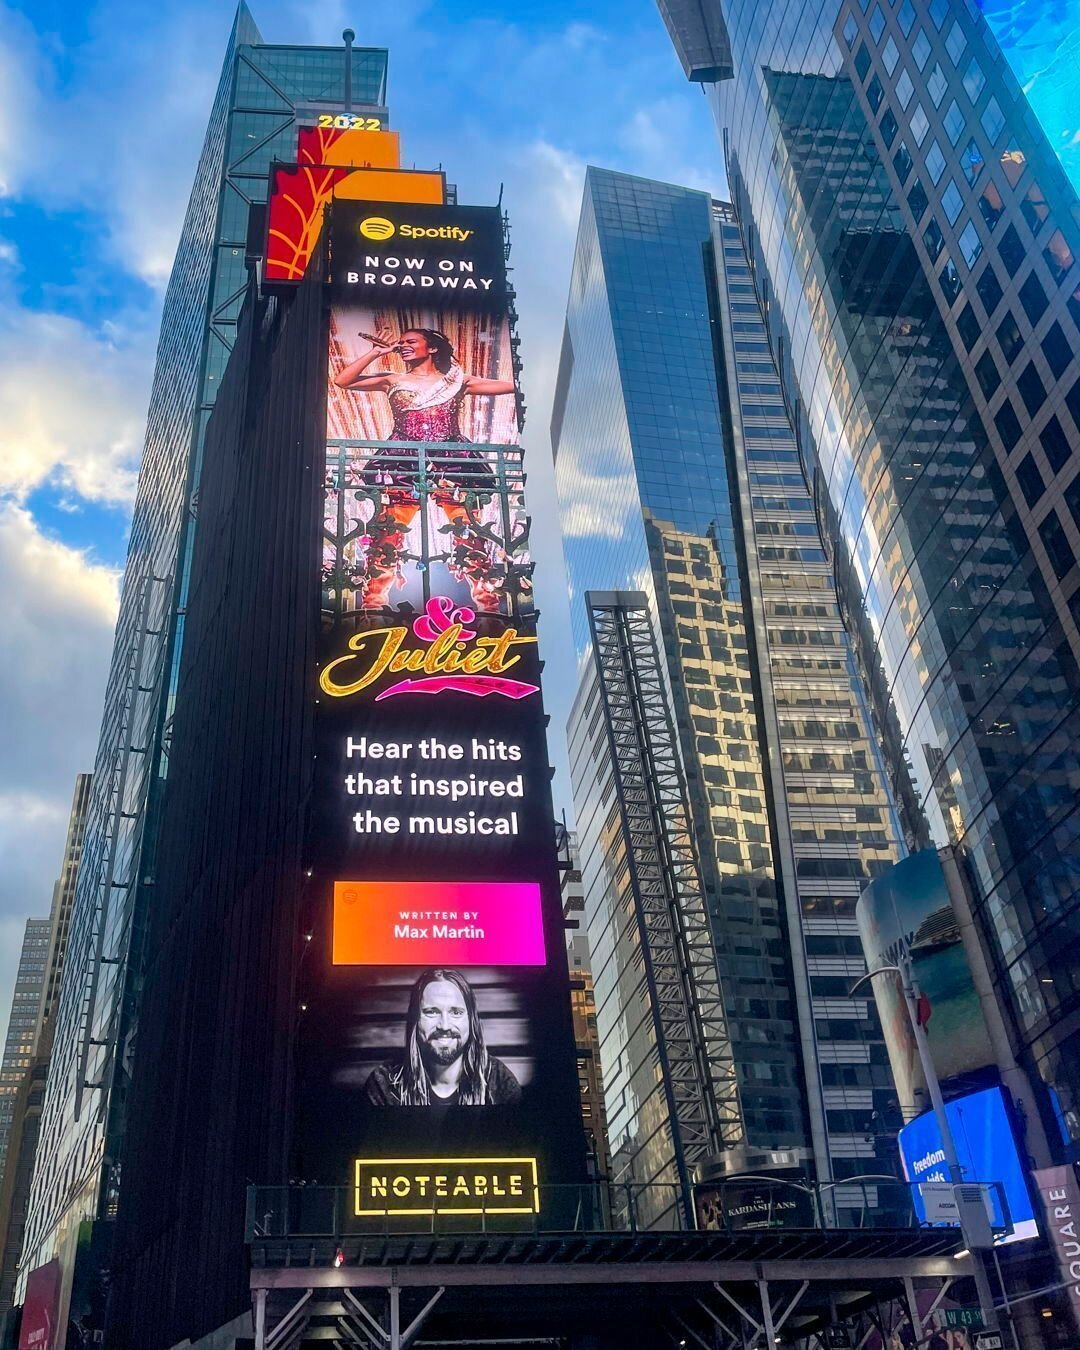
(59, 614)
(73, 401)
(21, 78)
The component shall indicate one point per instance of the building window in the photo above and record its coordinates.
(851, 30)
(993, 121)
(920, 124)
(974, 80)
(1057, 350)
(1055, 445)
(917, 199)
(939, 12)
(937, 84)
(1008, 425)
(986, 372)
(1034, 208)
(950, 281)
(1072, 402)
(920, 50)
(955, 42)
(889, 127)
(971, 161)
(989, 289)
(1072, 501)
(1057, 547)
(1058, 255)
(1012, 163)
(970, 244)
(932, 239)
(954, 122)
(1030, 480)
(904, 89)
(1009, 339)
(935, 162)
(990, 204)
(877, 24)
(1011, 251)
(862, 61)
(902, 162)
(874, 93)
(1032, 389)
(906, 17)
(968, 327)
(1033, 298)
(952, 203)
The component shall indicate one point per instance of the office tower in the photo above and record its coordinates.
(26, 1104)
(63, 900)
(252, 122)
(679, 480)
(25, 1119)
(912, 238)
(22, 1021)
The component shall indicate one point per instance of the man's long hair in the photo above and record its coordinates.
(411, 1082)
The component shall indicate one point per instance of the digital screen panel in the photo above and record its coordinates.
(436, 1017)
(906, 913)
(1039, 41)
(438, 923)
(446, 1186)
(986, 1150)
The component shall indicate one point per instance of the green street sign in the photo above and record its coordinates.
(963, 1317)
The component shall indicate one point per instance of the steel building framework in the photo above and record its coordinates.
(665, 880)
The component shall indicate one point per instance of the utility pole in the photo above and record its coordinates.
(948, 1144)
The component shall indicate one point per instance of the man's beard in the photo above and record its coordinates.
(444, 1049)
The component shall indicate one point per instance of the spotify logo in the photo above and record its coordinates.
(377, 227)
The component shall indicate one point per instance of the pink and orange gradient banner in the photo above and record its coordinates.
(438, 923)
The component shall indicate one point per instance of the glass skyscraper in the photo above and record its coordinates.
(679, 477)
(913, 238)
(22, 1027)
(253, 122)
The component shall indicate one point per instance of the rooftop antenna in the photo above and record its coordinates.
(349, 38)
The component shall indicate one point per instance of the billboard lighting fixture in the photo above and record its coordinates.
(339, 1257)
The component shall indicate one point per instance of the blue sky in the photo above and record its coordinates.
(103, 109)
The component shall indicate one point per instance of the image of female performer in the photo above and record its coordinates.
(426, 402)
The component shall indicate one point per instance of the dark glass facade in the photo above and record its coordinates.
(252, 121)
(913, 242)
(209, 1102)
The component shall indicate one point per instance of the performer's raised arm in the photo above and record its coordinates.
(352, 375)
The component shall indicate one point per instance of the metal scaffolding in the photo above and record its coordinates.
(665, 880)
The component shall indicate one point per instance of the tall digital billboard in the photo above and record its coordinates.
(907, 912)
(437, 1069)
(1040, 42)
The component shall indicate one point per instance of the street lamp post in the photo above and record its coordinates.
(948, 1144)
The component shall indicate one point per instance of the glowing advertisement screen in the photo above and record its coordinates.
(436, 1020)
(1041, 42)
(986, 1150)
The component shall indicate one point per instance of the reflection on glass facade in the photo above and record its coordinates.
(671, 486)
(835, 824)
(912, 241)
(252, 122)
